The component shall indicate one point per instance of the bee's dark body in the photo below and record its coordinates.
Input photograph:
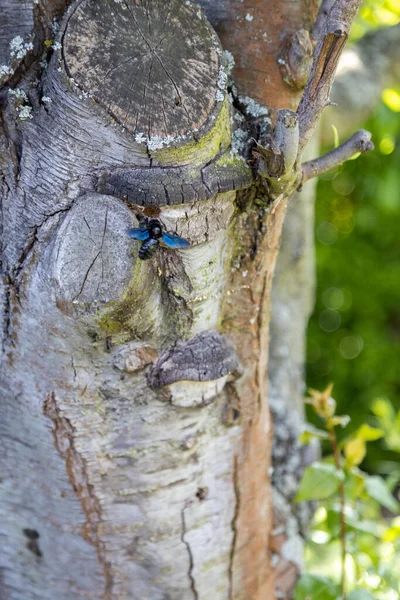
(151, 235)
(148, 248)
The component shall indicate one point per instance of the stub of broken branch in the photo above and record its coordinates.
(360, 142)
(287, 136)
(278, 156)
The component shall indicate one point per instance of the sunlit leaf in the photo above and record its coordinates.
(320, 480)
(369, 434)
(392, 533)
(316, 587)
(391, 98)
(336, 141)
(355, 451)
(386, 17)
(376, 487)
(382, 408)
(394, 6)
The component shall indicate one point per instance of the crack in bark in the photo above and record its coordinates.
(6, 325)
(63, 435)
(191, 559)
(234, 527)
(99, 253)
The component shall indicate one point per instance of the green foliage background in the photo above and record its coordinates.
(354, 333)
(354, 341)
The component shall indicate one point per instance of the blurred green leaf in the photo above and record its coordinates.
(342, 420)
(389, 421)
(355, 483)
(392, 533)
(310, 432)
(360, 595)
(376, 487)
(354, 451)
(366, 526)
(336, 141)
(369, 434)
(320, 480)
(316, 587)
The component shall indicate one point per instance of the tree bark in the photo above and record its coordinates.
(136, 433)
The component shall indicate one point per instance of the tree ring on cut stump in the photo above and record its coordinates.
(125, 54)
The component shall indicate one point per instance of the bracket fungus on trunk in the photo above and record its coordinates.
(207, 359)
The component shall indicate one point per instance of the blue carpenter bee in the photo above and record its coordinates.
(151, 235)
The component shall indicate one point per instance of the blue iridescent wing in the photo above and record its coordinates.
(140, 233)
(174, 241)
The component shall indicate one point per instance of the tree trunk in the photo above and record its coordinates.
(135, 424)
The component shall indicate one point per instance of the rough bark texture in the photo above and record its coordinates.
(257, 45)
(133, 467)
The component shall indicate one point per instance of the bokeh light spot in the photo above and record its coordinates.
(327, 233)
(391, 98)
(329, 320)
(333, 297)
(387, 145)
(351, 346)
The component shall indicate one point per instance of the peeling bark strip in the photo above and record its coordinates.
(327, 61)
(64, 435)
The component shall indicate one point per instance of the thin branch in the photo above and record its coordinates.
(328, 50)
(319, 26)
(360, 142)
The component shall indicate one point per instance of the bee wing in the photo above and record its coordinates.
(174, 241)
(140, 233)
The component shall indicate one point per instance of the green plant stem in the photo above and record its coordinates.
(338, 464)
